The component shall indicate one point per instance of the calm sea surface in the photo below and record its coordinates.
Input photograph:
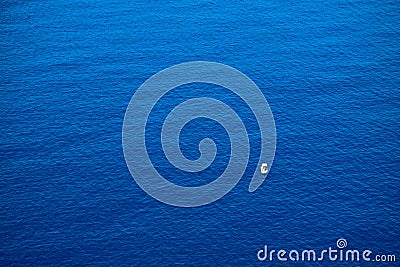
(68, 69)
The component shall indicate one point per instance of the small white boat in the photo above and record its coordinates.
(264, 168)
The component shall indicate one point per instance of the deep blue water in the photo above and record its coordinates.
(68, 69)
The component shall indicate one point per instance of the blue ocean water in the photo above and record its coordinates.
(329, 69)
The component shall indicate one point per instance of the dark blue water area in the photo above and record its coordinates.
(198, 129)
(330, 71)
